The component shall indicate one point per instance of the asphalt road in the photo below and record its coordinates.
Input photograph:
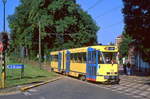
(68, 88)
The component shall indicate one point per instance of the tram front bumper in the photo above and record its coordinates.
(111, 78)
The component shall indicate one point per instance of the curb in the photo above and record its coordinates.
(39, 84)
(9, 93)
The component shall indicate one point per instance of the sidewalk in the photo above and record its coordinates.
(134, 86)
(139, 77)
(137, 85)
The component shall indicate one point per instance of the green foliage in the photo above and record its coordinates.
(124, 46)
(137, 24)
(63, 25)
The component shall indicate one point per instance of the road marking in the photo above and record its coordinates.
(32, 90)
(26, 93)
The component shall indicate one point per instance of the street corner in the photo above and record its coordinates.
(9, 91)
(25, 88)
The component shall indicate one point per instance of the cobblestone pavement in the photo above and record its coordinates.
(138, 87)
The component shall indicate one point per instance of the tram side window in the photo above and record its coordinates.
(100, 58)
(78, 57)
(54, 58)
(72, 57)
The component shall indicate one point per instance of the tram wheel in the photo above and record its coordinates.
(52, 69)
(82, 77)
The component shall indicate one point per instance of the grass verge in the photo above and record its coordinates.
(32, 74)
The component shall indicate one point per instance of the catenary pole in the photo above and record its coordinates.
(40, 65)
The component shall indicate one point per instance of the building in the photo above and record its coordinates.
(118, 40)
(135, 58)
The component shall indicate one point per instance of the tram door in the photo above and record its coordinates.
(92, 63)
(59, 61)
(67, 62)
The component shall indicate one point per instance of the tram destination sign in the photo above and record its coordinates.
(111, 48)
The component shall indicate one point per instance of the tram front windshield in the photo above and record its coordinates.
(107, 57)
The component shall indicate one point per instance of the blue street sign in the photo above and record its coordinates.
(15, 66)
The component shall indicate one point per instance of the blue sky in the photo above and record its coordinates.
(10, 9)
(106, 13)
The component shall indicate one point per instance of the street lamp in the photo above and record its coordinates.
(4, 2)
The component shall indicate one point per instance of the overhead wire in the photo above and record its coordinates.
(107, 12)
(112, 25)
(95, 4)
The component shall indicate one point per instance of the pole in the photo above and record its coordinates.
(3, 53)
(4, 18)
(40, 65)
(3, 70)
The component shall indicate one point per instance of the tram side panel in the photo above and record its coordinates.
(54, 62)
(57, 61)
(75, 64)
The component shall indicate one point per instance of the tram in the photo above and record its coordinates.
(93, 63)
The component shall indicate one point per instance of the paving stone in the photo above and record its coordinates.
(148, 89)
(115, 87)
(121, 88)
(145, 93)
(133, 86)
(143, 87)
(137, 96)
(129, 90)
(136, 92)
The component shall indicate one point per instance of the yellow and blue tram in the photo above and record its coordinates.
(94, 63)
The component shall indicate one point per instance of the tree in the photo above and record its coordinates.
(63, 24)
(124, 46)
(137, 23)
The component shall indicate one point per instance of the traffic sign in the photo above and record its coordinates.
(1, 46)
(15, 66)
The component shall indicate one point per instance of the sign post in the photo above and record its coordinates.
(3, 73)
(17, 66)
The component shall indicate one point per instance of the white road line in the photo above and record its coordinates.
(27, 93)
(32, 90)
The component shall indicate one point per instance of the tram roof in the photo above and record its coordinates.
(103, 48)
